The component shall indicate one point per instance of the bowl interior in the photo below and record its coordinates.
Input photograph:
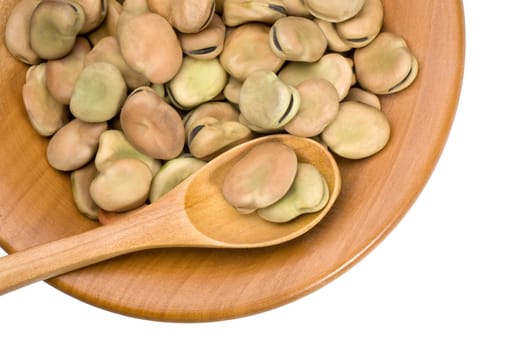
(201, 284)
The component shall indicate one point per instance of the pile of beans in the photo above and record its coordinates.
(137, 95)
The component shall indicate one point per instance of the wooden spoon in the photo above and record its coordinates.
(194, 214)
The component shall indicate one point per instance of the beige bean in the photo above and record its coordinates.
(212, 137)
(319, 107)
(309, 194)
(113, 145)
(333, 67)
(296, 8)
(17, 32)
(151, 125)
(206, 44)
(297, 39)
(54, 27)
(358, 131)
(122, 186)
(108, 50)
(335, 42)
(359, 95)
(236, 12)
(386, 65)
(172, 173)
(197, 82)
(63, 73)
(45, 114)
(232, 90)
(109, 25)
(258, 129)
(361, 29)
(99, 93)
(247, 50)
(149, 45)
(213, 128)
(187, 16)
(334, 10)
(267, 102)
(216, 110)
(262, 177)
(95, 12)
(74, 145)
(80, 182)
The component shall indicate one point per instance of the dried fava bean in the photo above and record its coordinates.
(247, 50)
(17, 32)
(358, 131)
(335, 10)
(80, 182)
(172, 173)
(267, 102)
(361, 29)
(256, 128)
(151, 125)
(113, 145)
(122, 186)
(261, 177)
(74, 145)
(108, 50)
(297, 39)
(45, 114)
(333, 67)
(63, 73)
(359, 95)
(335, 42)
(319, 107)
(232, 90)
(110, 23)
(99, 93)
(192, 16)
(211, 136)
(215, 110)
(187, 16)
(149, 44)
(206, 44)
(296, 8)
(197, 81)
(237, 12)
(95, 12)
(130, 10)
(309, 194)
(386, 65)
(54, 27)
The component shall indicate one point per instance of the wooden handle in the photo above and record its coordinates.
(61, 256)
(164, 224)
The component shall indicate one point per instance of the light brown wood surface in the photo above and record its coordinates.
(185, 284)
(194, 214)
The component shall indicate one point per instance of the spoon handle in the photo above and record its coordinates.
(162, 226)
(61, 256)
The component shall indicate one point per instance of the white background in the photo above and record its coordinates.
(450, 276)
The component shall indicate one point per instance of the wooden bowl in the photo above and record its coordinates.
(203, 285)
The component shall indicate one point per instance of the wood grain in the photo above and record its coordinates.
(202, 285)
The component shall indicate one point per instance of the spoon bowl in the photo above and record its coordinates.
(194, 214)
